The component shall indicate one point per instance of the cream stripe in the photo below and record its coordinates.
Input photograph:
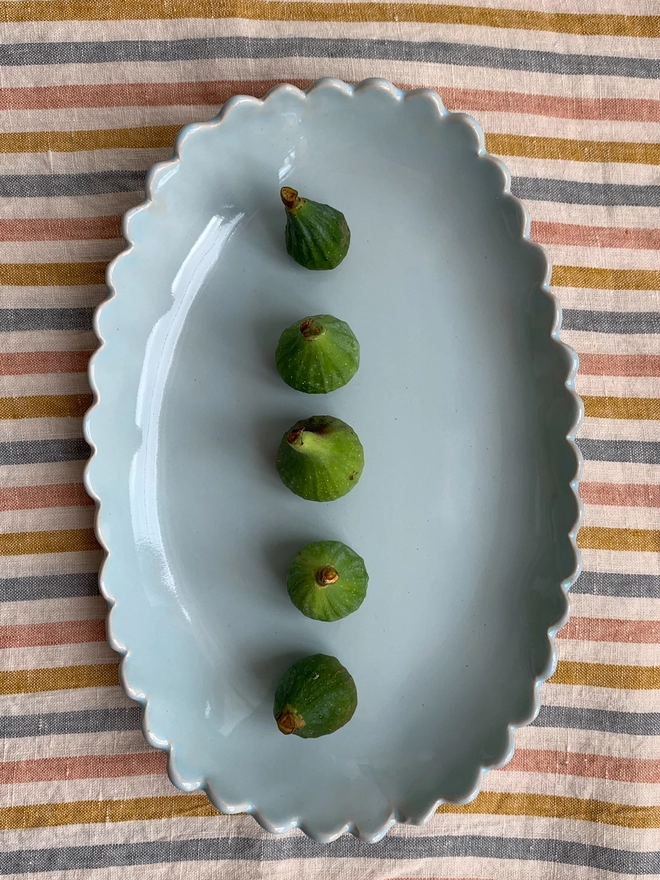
(117, 203)
(592, 742)
(594, 215)
(617, 386)
(57, 656)
(100, 31)
(54, 296)
(140, 159)
(107, 249)
(620, 472)
(158, 785)
(54, 611)
(609, 790)
(610, 343)
(45, 474)
(39, 429)
(66, 745)
(569, 169)
(605, 258)
(84, 160)
(615, 653)
(121, 788)
(349, 69)
(46, 519)
(620, 429)
(44, 383)
(616, 607)
(621, 561)
(606, 300)
(622, 517)
(60, 251)
(606, 699)
(575, 129)
(50, 563)
(75, 700)
(50, 340)
(490, 120)
(106, 204)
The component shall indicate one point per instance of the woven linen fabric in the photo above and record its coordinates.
(92, 92)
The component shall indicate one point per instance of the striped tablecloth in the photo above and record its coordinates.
(92, 93)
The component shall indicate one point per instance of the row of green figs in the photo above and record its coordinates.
(319, 459)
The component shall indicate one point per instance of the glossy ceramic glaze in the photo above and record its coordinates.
(466, 512)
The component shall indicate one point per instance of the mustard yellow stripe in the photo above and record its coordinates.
(110, 10)
(601, 538)
(573, 150)
(94, 812)
(622, 407)
(606, 279)
(41, 406)
(559, 807)
(633, 678)
(36, 274)
(194, 805)
(148, 137)
(61, 678)
(61, 274)
(61, 541)
(162, 136)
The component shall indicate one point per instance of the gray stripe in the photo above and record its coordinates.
(48, 586)
(538, 188)
(89, 721)
(58, 723)
(39, 451)
(634, 451)
(51, 185)
(578, 192)
(393, 846)
(465, 55)
(629, 586)
(636, 723)
(12, 320)
(610, 322)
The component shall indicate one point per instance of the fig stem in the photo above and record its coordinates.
(327, 575)
(289, 720)
(309, 329)
(290, 198)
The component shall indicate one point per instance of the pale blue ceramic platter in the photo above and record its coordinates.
(466, 513)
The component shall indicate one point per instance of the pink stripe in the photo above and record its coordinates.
(83, 767)
(621, 494)
(68, 632)
(620, 364)
(21, 363)
(215, 92)
(596, 236)
(576, 764)
(36, 497)
(604, 629)
(61, 229)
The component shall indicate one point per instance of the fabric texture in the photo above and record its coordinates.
(92, 92)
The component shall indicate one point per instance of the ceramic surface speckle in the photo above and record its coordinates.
(466, 512)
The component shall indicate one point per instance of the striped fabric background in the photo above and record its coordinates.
(91, 94)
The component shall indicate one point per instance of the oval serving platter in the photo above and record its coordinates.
(467, 510)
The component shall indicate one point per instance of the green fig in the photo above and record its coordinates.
(318, 354)
(320, 458)
(317, 236)
(327, 580)
(314, 697)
